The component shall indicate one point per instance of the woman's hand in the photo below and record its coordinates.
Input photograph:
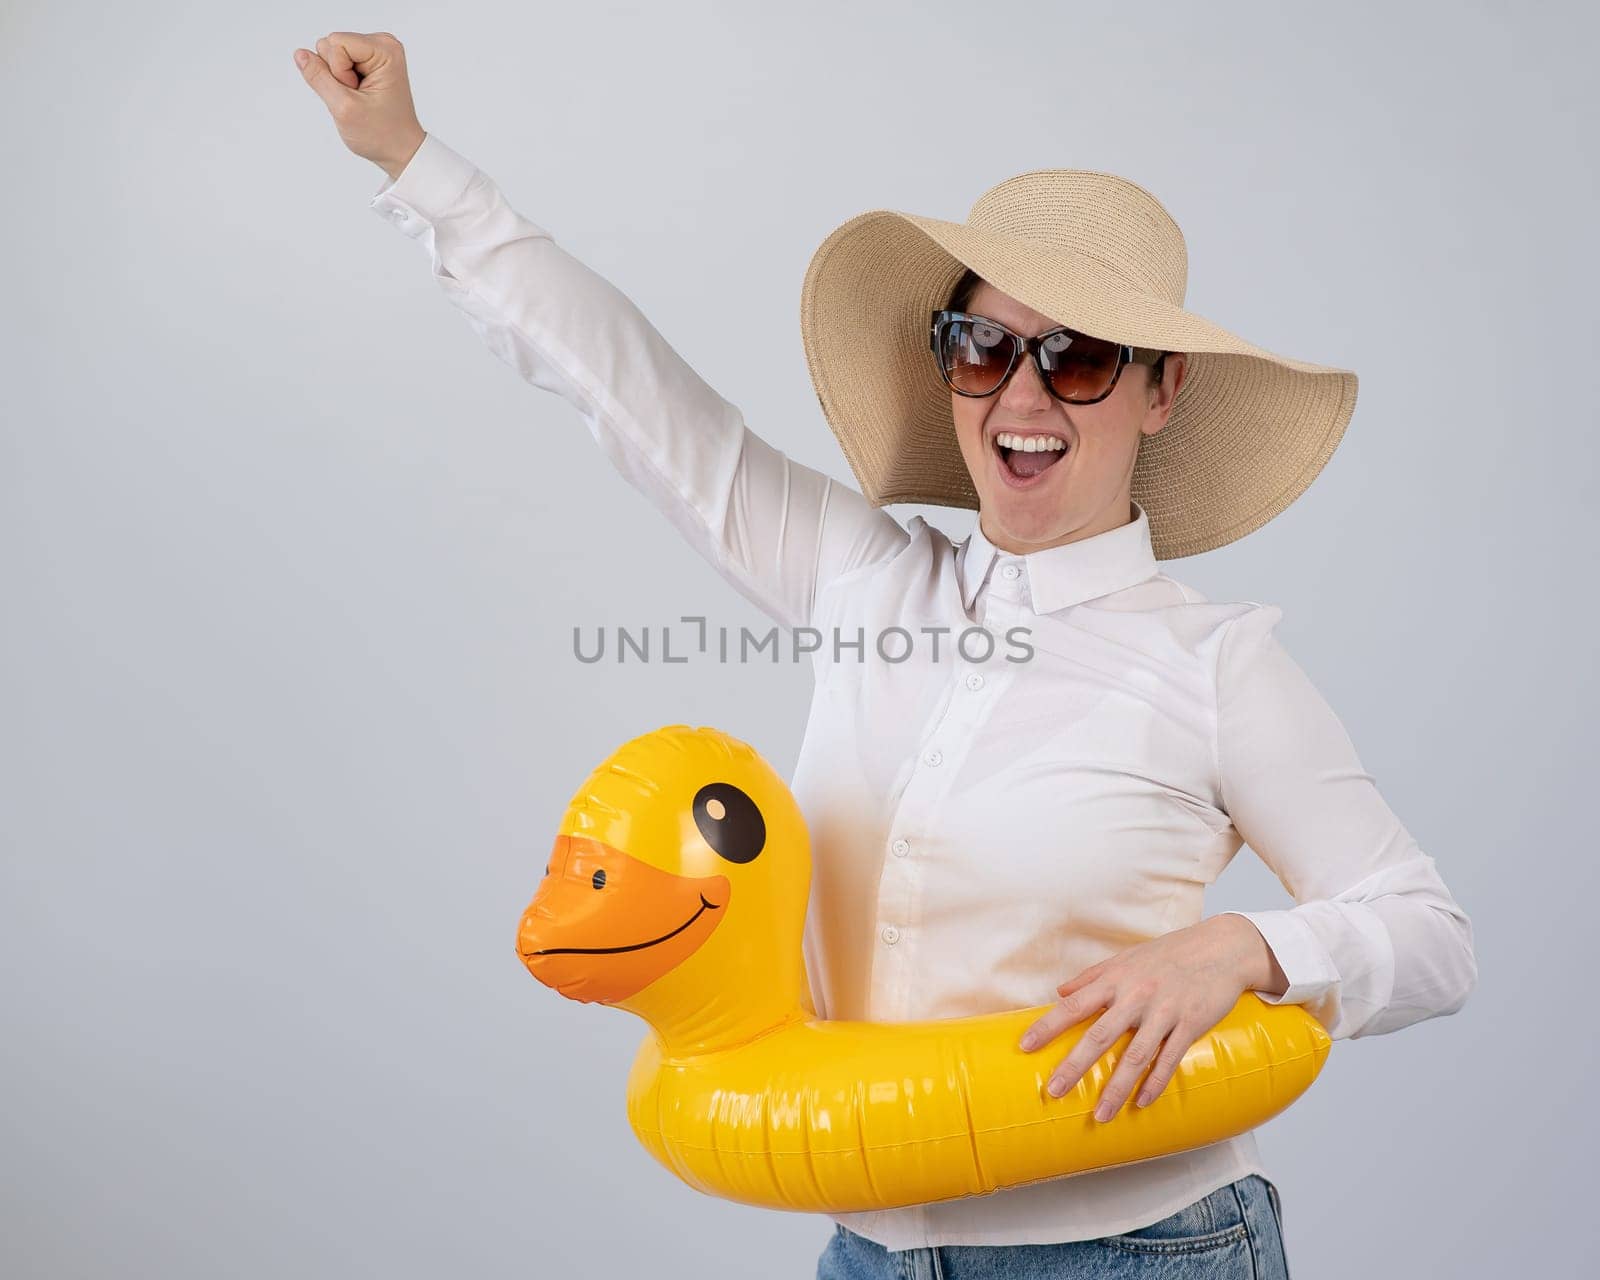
(363, 82)
(1173, 988)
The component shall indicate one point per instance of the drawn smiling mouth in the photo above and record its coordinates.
(632, 946)
(639, 900)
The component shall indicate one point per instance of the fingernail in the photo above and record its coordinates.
(1057, 1086)
(1102, 1113)
(1027, 1041)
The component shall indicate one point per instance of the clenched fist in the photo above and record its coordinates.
(362, 80)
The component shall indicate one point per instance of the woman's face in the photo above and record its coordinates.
(1079, 486)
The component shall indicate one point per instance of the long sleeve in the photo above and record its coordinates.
(1376, 941)
(777, 530)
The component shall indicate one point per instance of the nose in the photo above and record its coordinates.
(1024, 389)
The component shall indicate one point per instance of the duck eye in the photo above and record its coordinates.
(730, 821)
(598, 879)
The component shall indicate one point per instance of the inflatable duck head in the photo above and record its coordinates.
(677, 890)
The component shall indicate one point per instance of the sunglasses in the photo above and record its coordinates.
(976, 355)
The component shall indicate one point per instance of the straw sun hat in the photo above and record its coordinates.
(1246, 435)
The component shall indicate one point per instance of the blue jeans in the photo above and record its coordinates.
(1235, 1233)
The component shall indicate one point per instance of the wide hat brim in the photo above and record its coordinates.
(1247, 433)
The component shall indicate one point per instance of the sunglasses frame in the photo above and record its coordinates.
(1032, 347)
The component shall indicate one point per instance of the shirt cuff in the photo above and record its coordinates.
(427, 189)
(1299, 952)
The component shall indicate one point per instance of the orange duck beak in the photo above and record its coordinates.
(603, 925)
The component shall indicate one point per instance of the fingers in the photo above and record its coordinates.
(336, 53)
(1178, 1043)
(350, 52)
(343, 59)
(1139, 1055)
(320, 77)
(1100, 1036)
(1064, 1013)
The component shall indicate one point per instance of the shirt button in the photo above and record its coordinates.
(901, 847)
(934, 757)
(399, 215)
(1010, 571)
(891, 935)
(974, 680)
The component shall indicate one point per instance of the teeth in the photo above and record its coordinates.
(1029, 444)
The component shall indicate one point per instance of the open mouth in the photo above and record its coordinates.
(1024, 456)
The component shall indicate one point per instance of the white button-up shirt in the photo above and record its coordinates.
(986, 821)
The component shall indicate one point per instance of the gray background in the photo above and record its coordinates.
(290, 566)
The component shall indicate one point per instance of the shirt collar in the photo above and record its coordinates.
(1071, 573)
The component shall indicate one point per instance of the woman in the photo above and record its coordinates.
(985, 826)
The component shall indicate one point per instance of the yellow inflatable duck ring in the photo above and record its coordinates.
(677, 890)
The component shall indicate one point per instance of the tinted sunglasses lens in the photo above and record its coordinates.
(1079, 367)
(974, 355)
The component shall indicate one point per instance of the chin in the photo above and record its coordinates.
(1033, 522)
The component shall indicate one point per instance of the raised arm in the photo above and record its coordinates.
(1376, 941)
(777, 530)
